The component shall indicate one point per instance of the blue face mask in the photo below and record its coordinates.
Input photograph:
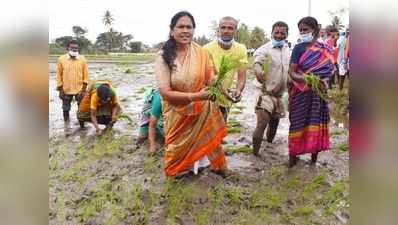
(278, 43)
(306, 38)
(226, 41)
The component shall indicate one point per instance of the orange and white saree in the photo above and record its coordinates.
(195, 130)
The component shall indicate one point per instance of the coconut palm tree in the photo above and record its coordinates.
(336, 17)
(337, 23)
(108, 19)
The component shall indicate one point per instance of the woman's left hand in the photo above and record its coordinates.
(204, 94)
(325, 83)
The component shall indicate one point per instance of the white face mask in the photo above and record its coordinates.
(74, 54)
(306, 38)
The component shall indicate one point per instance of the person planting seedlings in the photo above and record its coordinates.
(271, 69)
(308, 111)
(226, 46)
(217, 89)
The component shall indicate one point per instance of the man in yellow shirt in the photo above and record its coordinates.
(100, 105)
(225, 45)
(72, 77)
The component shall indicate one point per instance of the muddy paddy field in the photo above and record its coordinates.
(109, 180)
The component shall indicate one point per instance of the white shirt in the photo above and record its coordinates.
(278, 71)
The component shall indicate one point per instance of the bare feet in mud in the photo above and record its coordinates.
(292, 161)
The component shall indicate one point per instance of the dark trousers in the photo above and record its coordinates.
(264, 118)
(67, 101)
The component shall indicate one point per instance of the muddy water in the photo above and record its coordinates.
(130, 91)
(130, 165)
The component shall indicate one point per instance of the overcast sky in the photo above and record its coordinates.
(148, 20)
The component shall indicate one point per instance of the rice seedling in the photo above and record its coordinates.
(238, 149)
(266, 64)
(315, 83)
(234, 130)
(334, 198)
(344, 146)
(217, 91)
(124, 116)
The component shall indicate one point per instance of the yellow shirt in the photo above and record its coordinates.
(91, 99)
(237, 51)
(72, 73)
(95, 101)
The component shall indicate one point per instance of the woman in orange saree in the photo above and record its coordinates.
(194, 127)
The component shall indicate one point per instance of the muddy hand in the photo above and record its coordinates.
(258, 71)
(98, 131)
(226, 93)
(237, 95)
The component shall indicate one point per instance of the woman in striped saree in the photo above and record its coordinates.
(194, 127)
(308, 113)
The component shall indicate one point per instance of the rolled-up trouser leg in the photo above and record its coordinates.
(263, 118)
(66, 105)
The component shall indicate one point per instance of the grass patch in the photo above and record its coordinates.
(124, 57)
(234, 194)
(108, 145)
(233, 123)
(292, 183)
(126, 117)
(239, 107)
(238, 149)
(203, 217)
(338, 132)
(334, 198)
(234, 130)
(150, 164)
(343, 147)
(141, 90)
(314, 184)
(235, 112)
(306, 211)
(177, 194)
(61, 212)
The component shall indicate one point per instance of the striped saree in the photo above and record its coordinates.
(308, 113)
(195, 130)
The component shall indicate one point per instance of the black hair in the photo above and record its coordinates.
(170, 46)
(73, 41)
(280, 24)
(103, 92)
(311, 22)
(331, 28)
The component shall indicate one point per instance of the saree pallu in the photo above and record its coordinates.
(309, 113)
(195, 130)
